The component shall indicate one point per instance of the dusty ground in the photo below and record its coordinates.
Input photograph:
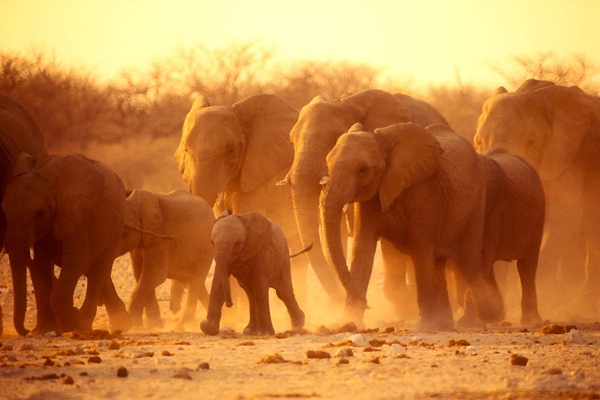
(388, 360)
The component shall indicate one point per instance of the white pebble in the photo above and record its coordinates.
(359, 339)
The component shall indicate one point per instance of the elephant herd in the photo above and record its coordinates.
(371, 169)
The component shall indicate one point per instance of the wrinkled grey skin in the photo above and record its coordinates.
(19, 133)
(320, 124)
(255, 251)
(69, 209)
(423, 190)
(185, 255)
(556, 129)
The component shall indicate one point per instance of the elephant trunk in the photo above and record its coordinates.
(331, 214)
(222, 275)
(18, 265)
(220, 292)
(305, 195)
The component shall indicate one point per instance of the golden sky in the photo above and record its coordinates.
(424, 40)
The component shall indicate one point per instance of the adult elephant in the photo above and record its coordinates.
(19, 132)
(69, 209)
(423, 190)
(320, 124)
(557, 130)
(185, 255)
(235, 155)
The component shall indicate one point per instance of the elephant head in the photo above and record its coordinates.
(320, 124)
(550, 126)
(144, 222)
(225, 146)
(379, 166)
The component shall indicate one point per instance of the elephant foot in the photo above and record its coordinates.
(155, 324)
(209, 327)
(469, 320)
(70, 320)
(438, 321)
(120, 322)
(264, 331)
(531, 319)
(298, 321)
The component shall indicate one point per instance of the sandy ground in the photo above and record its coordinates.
(387, 360)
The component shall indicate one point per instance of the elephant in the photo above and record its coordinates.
(185, 255)
(514, 222)
(19, 132)
(423, 190)
(319, 125)
(70, 210)
(254, 250)
(556, 129)
(233, 156)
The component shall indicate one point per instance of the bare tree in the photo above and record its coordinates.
(576, 70)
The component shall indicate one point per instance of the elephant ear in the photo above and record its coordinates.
(151, 217)
(258, 234)
(376, 108)
(79, 185)
(267, 121)
(22, 164)
(573, 120)
(413, 155)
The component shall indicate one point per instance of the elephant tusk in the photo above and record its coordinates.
(324, 180)
(144, 231)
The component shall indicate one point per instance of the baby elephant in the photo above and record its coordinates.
(254, 249)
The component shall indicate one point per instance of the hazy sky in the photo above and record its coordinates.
(426, 40)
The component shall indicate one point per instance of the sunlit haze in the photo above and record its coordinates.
(429, 41)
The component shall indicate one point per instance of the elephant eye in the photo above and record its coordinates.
(362, 171)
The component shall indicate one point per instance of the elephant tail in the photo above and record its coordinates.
(304, 250)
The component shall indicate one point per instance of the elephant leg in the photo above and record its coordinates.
(43, 279)
(177, 289)
(264, 325)
(152, 311)
(119, 318)
(527, 268)
(194, 289)
(151, 277)
(396, 287)
(432, 292)
(285, 292)
(61, 300)
(252, 326)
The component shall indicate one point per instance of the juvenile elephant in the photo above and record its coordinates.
(70, 210)
(253, 249)
(185, 256)
(236, 155)
(320, 124)
(423, 190)
(556, 129)
(514, 222)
